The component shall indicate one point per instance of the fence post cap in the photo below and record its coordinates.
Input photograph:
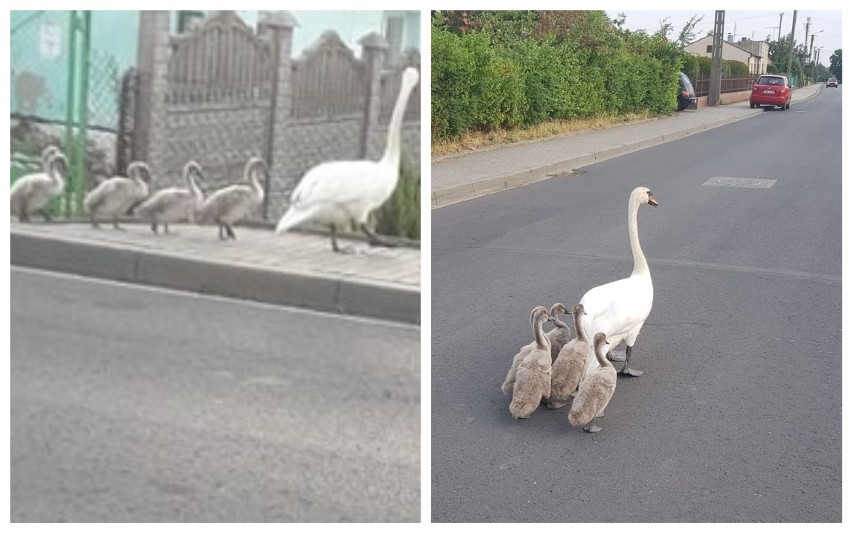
(278, 19)
(373, 40)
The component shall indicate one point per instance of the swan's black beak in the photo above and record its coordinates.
(651, 200)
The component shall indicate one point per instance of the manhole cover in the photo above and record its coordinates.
(740, 182)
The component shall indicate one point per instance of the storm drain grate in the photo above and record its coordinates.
(740, 182)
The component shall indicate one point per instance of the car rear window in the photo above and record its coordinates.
(766, 80)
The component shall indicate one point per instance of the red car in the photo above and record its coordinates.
(771, 89)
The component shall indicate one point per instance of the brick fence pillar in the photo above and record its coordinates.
(374, 47)
(278, 26)
(150, 136)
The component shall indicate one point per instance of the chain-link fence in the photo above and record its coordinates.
(64, 92)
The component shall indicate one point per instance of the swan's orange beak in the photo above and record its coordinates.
(652, 200)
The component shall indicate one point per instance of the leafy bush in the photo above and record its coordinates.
(400, 215)
(505, 69)
(735, 69)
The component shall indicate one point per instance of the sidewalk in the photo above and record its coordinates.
(467, 176)
(297, 269)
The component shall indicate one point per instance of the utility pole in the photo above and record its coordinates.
(779, 25)
(815, 67)
(792, 43)
(807, 27)
(817, 61)
(716, 64)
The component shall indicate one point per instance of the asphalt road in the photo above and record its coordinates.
(132, 404)
(738, 415)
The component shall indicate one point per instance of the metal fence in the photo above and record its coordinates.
(729, 85)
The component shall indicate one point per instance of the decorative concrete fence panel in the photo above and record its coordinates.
(224, 92)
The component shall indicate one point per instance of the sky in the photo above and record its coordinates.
(758, 24)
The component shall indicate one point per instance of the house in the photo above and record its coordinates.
(755, 54)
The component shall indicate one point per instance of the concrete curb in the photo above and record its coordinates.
(467, 191)
(322, 293)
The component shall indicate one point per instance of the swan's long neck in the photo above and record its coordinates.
(250, 175)
(541, 340)
(193, 185)
(392, 148)
(578, 325)
(137, 174)
(54, 174)
(640, 265)
(600, 353)
(558, 323)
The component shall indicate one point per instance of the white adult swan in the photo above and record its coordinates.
(342, 192)
(619, 309)
(232, 203)
(174, 204)
(113, 197)
(32, 192)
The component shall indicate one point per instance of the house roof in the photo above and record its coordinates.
(725, 42)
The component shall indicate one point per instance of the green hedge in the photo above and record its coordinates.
(698, 67)
(481, 83)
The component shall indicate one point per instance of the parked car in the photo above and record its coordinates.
(832, 82)
(773, 90)
(685, 93)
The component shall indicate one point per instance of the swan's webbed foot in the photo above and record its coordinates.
(375, 240)
(592, 428)
(230, 230)
(618, 357)
(43, 212)
(626, 370)
(337, 248)
(154, 227)
(115, 224)
(95, 224)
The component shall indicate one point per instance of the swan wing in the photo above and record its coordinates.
(163, 200)
(341, 182)
(617, 307)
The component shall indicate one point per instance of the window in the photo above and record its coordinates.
(709, 48)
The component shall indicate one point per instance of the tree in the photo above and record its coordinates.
(836, 65)
(779, 55)
(686, 34)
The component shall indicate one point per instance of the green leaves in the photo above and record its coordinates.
(400, 215)
(507, 69)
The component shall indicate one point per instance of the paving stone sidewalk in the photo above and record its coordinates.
(459, 178)
(291, 269)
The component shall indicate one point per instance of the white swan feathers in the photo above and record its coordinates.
(619, 308)
(341, 192)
